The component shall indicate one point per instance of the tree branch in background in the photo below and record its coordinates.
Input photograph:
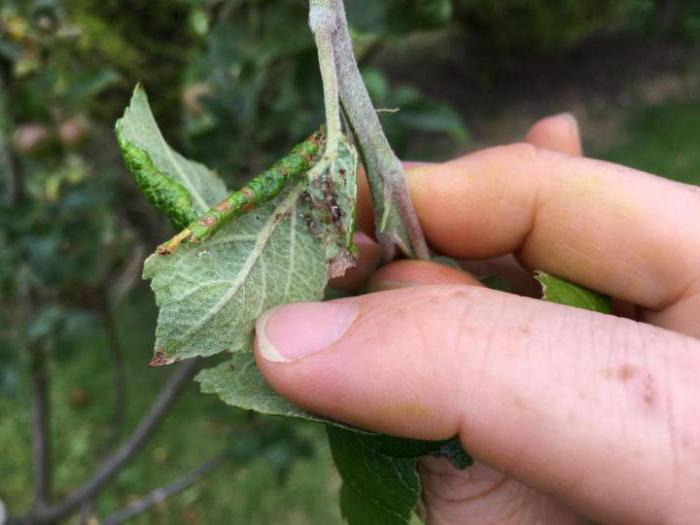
(10, 169)
(41, 437)
(118, 287)
(396, 221)
(104, 473)
(119, 388)
(161, 494)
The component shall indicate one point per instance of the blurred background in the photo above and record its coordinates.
(233, 84)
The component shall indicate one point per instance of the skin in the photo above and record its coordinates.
(572, 415)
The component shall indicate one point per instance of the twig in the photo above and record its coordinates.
(41, 439)
(396, 221)
(85, 510)
(124, 453)
(13, 182)
(114, 347)
(117, 288)
(323, 24)
(161, 494)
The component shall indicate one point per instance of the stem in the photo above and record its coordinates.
(106, 471)
(41, 439)
(161, 494)
(395, 218)
(323, 23)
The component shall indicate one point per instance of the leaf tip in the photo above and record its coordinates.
(159, 358)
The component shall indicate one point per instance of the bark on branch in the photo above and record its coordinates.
(162, 493)
(104, 473)
(396, 221)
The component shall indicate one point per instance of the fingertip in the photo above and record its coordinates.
(558, 133)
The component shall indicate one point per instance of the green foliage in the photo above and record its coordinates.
(661, 140)
(378, 489)
(257, 80)
(380, 479)
(279, 471)
(524, 26)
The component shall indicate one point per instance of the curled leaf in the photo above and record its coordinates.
(179, 188)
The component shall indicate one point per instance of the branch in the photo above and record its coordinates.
(323, 24)
(396, 221)
(114, 347)
(124, 453)
(10, 169)
(41, 439)
(161, 494)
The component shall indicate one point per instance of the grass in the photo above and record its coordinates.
(199, 426)
(661, 140)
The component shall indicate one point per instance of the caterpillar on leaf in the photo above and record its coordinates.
(259, 190)
(163, 193)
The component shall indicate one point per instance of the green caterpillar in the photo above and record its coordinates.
(162, 192)
(261, 189)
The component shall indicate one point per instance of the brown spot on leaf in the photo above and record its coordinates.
(159, 358)
(247, 192)
(207, 221)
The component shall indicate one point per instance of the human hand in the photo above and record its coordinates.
(570, 413)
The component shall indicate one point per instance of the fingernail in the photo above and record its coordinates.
(290, 332)
(571, 120)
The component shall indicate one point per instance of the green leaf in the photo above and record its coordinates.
(239, 383)
(179, 188)
(380, 481)
(557, 290)
(377, 489)
(211, 293)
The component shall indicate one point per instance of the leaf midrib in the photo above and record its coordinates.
(264, 235)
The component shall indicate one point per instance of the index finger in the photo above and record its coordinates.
(614, 229)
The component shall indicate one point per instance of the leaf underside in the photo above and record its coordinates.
(238, 383)
(211, 293)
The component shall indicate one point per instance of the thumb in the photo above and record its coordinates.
(530, 387)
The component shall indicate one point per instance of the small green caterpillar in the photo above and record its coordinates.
(162, 192)
(261, 189)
